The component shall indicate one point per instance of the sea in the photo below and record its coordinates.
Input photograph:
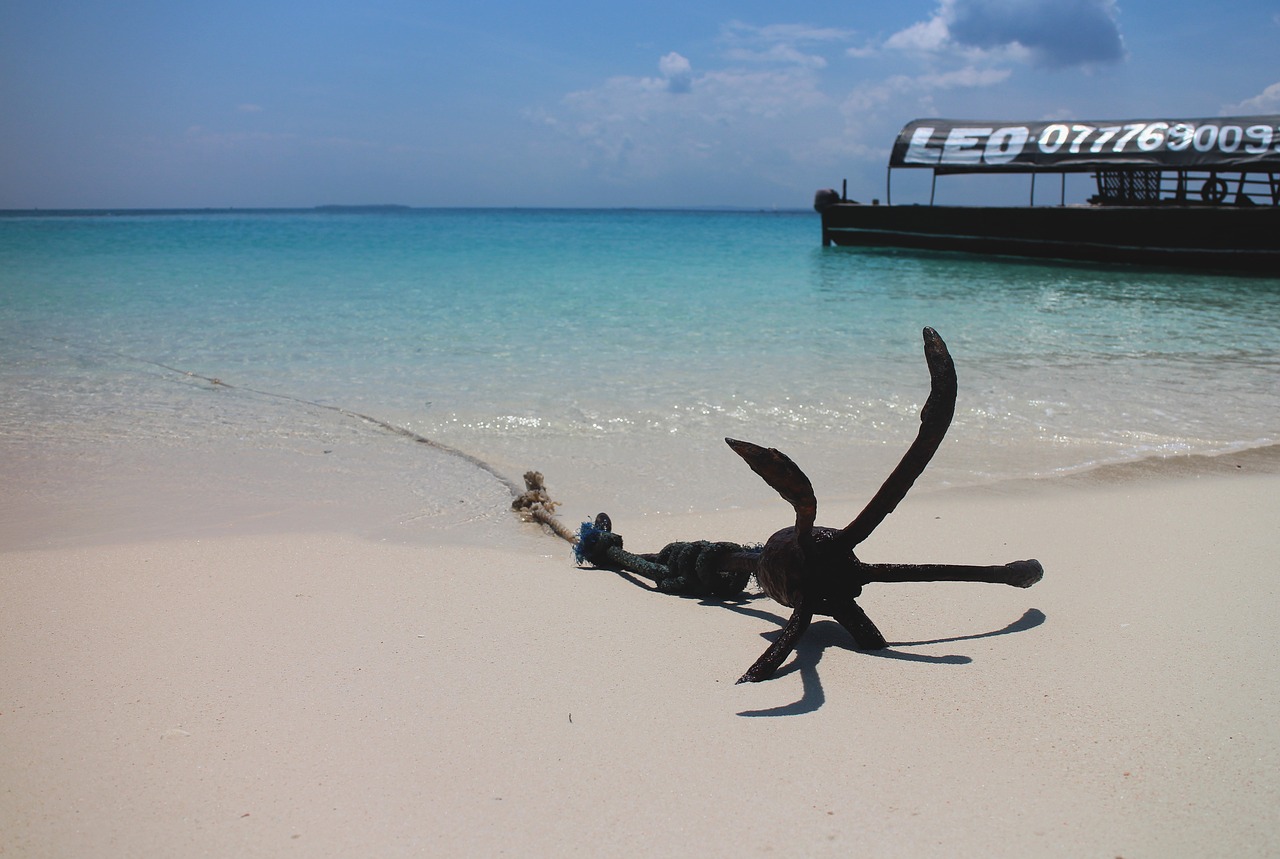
(437, 352)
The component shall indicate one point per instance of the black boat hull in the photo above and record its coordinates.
(1226, 238)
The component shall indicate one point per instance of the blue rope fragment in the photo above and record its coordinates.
(588, 537)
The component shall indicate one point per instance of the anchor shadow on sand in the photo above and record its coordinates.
(826, 634)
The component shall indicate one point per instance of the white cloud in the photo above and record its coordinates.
(931, 37)
(787, 44)
(964, 78)
(1047, 33)
(919, 87)
(745, 114)
(1267, 101)
(975, 45)
(677, 71)
(767, 75)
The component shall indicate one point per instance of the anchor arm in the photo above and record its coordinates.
(781, 648)
(1019, 574)
(780, 472)
(851, 616)
(935, 418)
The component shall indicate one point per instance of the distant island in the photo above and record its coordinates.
(384, 207)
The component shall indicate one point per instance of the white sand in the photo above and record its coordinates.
(257, 688)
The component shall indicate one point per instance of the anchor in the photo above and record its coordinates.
(810, 569)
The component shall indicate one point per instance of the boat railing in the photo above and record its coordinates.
(1144, 187)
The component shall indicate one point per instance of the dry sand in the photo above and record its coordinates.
(246, 684)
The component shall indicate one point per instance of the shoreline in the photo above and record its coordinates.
(1259, 459)
(295, 684)
(124, 493)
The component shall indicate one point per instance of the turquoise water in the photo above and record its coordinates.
(613, 341)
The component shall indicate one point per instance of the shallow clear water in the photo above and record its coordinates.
(614, 341)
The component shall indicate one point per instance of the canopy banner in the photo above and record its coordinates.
(1237, 143)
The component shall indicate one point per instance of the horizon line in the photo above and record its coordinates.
(376, 208)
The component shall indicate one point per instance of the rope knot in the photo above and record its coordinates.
(595, 539)
(695, 569)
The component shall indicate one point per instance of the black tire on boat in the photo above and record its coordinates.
(825, 197)
(1214, 190)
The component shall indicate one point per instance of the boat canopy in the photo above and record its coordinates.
(1233, 143)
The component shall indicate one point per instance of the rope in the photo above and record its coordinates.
(390, 427)
(686, 568)
(534, 503)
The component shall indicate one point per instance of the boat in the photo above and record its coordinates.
(1183, 193)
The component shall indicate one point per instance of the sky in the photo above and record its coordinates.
(163, 104)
